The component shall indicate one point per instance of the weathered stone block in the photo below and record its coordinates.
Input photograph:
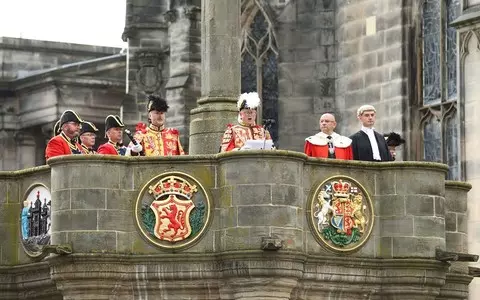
(429, 227)
(389, 205)
(227, 217)
(251, 194)
(420, 182)
(74, 220)
(450, 222)
(118, 220)
(384, 247)
(416, 247)
(88, 199)
(287, 195)
(120, 199)
(292, 239)
(93, 176)
(456, 242)
(61, 200)
(267, 216)
(280, 171)
(124, 242)
(439, 206)
(93, 241)
(243, 238)
(396, 226)
(462, 223)
(419, 205)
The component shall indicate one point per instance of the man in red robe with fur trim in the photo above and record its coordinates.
(65, 142)
(236, 136)
(327, 143)
(156, 140)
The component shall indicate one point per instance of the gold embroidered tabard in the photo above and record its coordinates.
(165, 142)
(236, 135)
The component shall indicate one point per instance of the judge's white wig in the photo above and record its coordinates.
(365, 108)
(248, 101)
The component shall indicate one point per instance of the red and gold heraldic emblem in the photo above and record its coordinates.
(340, 214)
(173, 210)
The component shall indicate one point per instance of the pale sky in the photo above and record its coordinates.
(93, 22)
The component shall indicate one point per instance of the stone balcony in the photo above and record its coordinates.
(258, 239)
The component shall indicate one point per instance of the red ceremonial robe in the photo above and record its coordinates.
(317, 146)
(62, 145)
(109, 148)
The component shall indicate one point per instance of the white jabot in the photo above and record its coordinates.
(373, 141)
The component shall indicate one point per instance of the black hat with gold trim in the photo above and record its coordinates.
(156, 103)
(112, 121)
(56, 128)
(69, 116)
(88, 127)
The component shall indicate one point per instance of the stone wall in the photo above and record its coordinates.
(469, 62)
(255, 196)
(13, 186)
(305, 32)
(373, 44)
(184, 83)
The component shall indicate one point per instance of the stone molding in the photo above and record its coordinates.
(241, 272)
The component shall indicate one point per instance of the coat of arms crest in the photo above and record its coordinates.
(341, 214)
(172, 210)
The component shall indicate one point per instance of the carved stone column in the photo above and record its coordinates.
(220, 75)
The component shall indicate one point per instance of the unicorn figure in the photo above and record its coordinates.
(322, 209)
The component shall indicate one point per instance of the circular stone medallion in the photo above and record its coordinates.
(173, 210)
(340, 214)
(35, 221)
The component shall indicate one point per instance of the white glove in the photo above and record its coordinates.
(136, 148)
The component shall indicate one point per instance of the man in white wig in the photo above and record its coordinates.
(235, 136)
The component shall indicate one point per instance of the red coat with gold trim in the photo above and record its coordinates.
(62, 145)
(110, 148)
(236, 135)
(159, 142)
(317, 146)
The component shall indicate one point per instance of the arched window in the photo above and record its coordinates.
(438, 108)
(259, 61)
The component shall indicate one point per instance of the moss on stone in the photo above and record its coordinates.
(451, 184)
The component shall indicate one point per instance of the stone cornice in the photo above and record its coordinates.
(55, 47)
(467, 18)
(20, 173)
(281, 154)
(460, 185)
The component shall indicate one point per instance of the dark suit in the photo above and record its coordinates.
(362, 149)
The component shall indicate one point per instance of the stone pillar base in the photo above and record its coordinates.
(208, 122)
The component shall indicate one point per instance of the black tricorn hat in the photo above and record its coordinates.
(393, 139)
(69, 116)
(156, 103)
(88, 127)
(112, 121)
(56, 128)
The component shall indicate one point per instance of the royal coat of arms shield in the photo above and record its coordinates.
(172, 210)
(340, 214)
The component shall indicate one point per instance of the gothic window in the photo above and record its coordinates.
(259, 62)
(438, 108)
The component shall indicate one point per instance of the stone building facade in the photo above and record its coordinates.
(416, 61)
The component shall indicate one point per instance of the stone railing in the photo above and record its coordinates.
(257, 236)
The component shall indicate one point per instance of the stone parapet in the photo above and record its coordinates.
(258, 231)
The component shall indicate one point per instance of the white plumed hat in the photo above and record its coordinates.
(248, 100)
